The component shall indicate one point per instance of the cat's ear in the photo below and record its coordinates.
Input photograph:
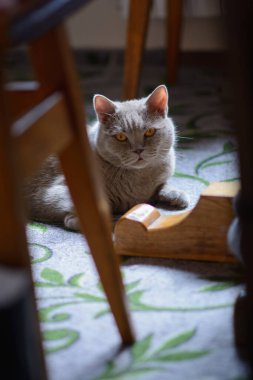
(157, 102)
(103, 107)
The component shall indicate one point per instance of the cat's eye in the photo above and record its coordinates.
(120, 137)
(150, 132)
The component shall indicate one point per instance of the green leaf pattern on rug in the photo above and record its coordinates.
(63, 338)
(221, 283)
(39, 253)
(140, 348)
(47, 314)
(135, 304)
(53, 276)
(52, 314)
(76, 280)
(176, 341)
(38, 226)
(228, 147)
(55, 279)
(193, 177)
(144, 358)
(218, 287)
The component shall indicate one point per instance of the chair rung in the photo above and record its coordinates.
(37, 20)
(43, 131)
(22, 96)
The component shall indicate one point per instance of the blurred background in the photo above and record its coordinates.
(98, 34)
(102, 25)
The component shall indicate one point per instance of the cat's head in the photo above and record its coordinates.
(135, 133)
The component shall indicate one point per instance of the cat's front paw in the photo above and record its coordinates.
(71, 222)
(174, 198)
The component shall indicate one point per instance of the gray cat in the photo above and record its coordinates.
(134, 145)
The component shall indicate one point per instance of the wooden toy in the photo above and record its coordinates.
(197, 234)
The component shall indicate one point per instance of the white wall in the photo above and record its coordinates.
(100, 25)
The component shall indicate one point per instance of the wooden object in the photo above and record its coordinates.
(22, 96)
(198, 234)
(34, 136)
(14, 249)
(45, 117)
(138, 19)
(174, 23)
(81, 172)
(136, 36)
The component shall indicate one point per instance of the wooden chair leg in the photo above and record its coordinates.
(93, 214)
(14, 256)
(174, 22)
(136, 35)
(13, 250)
(54, 64)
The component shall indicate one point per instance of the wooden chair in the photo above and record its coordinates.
(138, 18)
(38, 119)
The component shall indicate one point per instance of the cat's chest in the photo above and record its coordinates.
(126, 188)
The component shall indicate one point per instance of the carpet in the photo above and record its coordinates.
(182, 311)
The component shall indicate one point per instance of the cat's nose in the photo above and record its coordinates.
(138, 151)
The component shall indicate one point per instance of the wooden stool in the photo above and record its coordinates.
(43, 118)
(138, 18)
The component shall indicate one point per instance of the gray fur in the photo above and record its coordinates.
(134, 171)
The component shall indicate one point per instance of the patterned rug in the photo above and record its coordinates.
(182, 311)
